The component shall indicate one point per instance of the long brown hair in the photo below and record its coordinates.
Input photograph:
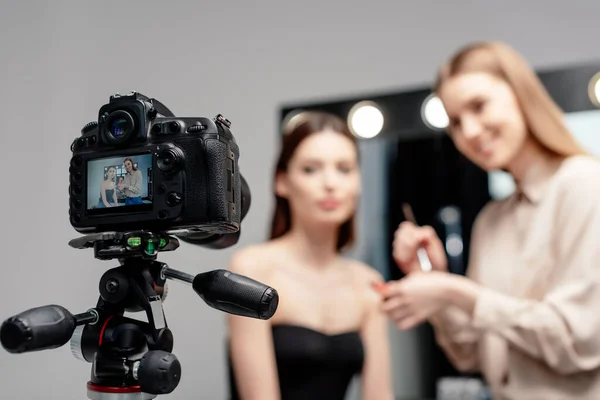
(300, 127)
(544, 119)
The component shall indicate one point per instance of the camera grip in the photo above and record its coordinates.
(224, 202)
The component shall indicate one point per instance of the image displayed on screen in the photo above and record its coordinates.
(119, 182)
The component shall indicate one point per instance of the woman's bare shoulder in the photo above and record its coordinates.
(254, 261)
(363, 272)
(365, 276)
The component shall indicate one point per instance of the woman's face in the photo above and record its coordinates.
(486, 122)
(322, 182)
(111, 174)
(128, 166)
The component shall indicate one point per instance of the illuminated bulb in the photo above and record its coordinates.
(291, 120)
(433, 113)
(595, 89)
(365, 120)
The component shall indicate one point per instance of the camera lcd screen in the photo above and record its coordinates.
(119, 184)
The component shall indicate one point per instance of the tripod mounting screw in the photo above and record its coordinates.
(112, 286)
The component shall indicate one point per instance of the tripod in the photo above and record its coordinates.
(132, 359)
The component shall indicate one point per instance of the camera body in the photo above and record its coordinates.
(139, 167)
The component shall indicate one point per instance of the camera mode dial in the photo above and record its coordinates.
(90, 126)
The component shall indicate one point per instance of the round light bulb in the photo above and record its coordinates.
(433, 113)
(291, 120)
(594, 89)
(365, 120)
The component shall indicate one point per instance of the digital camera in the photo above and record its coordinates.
(139, 167)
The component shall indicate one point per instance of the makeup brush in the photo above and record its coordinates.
(421, 253)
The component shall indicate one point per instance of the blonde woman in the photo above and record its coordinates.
(132, 184)
(528, 314)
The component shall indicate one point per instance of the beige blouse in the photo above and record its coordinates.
(535, 330)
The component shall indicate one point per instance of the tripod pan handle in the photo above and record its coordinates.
(40, 328)
(236, 294)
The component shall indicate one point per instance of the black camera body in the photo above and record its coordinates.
(139, 167)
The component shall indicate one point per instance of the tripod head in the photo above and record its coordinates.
(132, 359)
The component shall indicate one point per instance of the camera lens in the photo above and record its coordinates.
(119, 126)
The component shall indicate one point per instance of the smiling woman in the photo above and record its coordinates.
(328, 326)
(526, 315)
(499, 112)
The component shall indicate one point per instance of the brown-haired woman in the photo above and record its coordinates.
(528, 314)
(107, 190)
(328, 326)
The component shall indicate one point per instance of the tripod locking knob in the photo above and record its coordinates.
(158, 372)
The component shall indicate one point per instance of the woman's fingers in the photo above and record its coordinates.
(408, 322)
(405, 245)
(392, 304)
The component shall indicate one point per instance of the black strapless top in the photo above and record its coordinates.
(109, 195)
(312, 365)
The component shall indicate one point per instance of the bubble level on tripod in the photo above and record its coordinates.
(134, 241)
(150, 247)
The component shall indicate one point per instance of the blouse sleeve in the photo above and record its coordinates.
(136, 183)
(453, 327)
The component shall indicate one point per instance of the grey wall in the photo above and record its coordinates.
(61, 61)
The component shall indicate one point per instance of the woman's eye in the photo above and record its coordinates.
(308, 169)
(479, 105)
(345, 169)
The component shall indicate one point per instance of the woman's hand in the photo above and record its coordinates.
(414, 299)
(408, 238)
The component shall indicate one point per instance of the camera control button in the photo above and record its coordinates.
(221, 119)
(173, 199)
(169, 160)
(162, 189)
(196, 128)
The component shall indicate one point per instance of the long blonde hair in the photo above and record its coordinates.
(543, 117)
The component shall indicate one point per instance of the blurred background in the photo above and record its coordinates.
(255, 63)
